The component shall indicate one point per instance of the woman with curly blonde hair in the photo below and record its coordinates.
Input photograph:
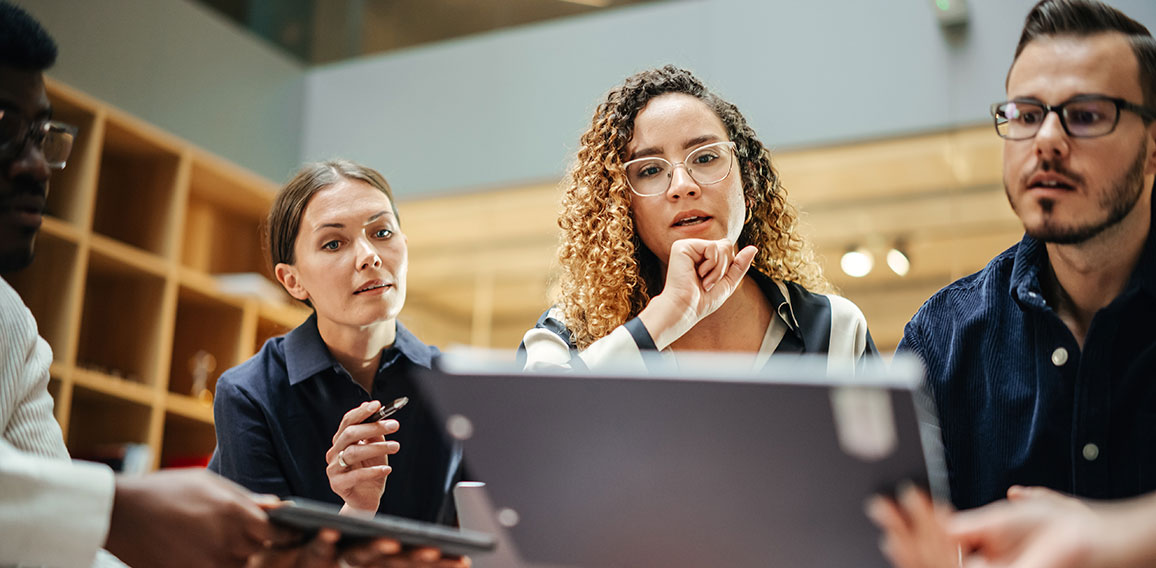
(677, 236)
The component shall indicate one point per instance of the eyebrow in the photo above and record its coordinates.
(693, 142)
(371, 219)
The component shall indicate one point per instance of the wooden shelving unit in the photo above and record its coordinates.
(124, 283)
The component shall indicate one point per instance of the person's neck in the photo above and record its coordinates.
(738, 325)
(358, 349)
(1086, 277)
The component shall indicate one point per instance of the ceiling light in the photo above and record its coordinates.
(857, 262)
(898, 261)
(591, 3)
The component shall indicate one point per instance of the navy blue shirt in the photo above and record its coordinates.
(277, 412)
(1018, 401)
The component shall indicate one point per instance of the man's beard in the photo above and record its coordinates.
(1118, 202)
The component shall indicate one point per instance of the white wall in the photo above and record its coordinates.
(186, 69)
(507, 108)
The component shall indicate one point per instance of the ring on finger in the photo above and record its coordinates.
(341, 462)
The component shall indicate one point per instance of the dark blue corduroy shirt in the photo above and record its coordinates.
(277, 412)
(1019, 403)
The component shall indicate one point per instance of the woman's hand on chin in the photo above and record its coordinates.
(358, 460)
(700, 277)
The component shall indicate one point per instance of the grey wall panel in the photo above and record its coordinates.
(186, 69)
(507, 108)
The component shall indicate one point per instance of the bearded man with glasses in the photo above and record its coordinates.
(1043, 364)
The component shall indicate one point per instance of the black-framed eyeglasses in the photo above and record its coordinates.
(54, 139)
(1082, 116)
(707, 164)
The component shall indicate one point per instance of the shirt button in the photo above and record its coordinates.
(1091, 451)
(1059, 357)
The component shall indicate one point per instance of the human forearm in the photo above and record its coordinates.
(185, 518)
(1128, 534)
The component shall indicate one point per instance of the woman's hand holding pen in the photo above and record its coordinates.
(358, 462)
(700, 277)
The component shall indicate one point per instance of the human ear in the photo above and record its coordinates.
(1150, 149)
(287, 276)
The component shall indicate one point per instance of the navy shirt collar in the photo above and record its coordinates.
(306, 354)
(1031, 258)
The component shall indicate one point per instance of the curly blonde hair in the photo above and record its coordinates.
(607, 275)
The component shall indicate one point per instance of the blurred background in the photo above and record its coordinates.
(877, 112)
(150, 277)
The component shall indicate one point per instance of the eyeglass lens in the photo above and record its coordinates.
(1084, 118)
(706, 165)
(54, 139)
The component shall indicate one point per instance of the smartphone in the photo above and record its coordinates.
(386, 411)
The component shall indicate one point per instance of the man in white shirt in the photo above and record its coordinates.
(56, 512)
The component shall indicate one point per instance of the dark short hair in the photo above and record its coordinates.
(1090, 17)
(24, 44)
(284, 222)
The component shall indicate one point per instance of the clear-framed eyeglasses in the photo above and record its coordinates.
(1082, 116)
(708, 164)
(54, 139)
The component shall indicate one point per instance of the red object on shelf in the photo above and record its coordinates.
(187, 461)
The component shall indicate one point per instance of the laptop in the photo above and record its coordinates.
(703, 463)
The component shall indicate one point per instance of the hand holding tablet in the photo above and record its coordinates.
(310, 516)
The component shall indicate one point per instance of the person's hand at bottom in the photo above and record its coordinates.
(422, 557)
(324, 551)
(914, 530)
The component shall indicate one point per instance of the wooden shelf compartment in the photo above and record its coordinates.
(136, 196)
(60, 387)
(60, 228)
(188, 441)
(50, 287)
(102, 424)
(127, 258)
(119, 387)
(122, 328)
(225, 211)
(278, 319)
(287, 316)
(267, 329)
(206, 342)
(199, 409)
(70, 194)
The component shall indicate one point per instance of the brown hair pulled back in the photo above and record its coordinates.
(284, 221)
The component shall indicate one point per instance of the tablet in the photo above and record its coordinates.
(311, 516)
(705, 463)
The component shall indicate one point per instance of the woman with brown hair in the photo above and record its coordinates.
(289, 420)
(677, 236)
